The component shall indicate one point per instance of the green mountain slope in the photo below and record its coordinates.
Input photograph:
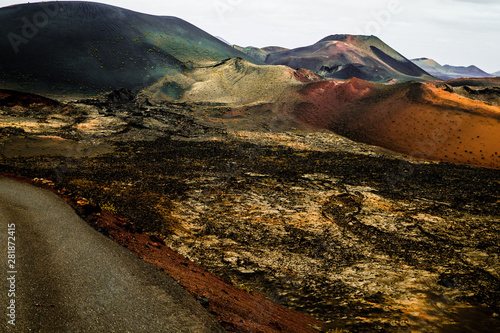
(82, 47)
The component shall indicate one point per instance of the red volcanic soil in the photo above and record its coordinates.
(306, 76)
(328, 103)
(416, 119)
(235, 309)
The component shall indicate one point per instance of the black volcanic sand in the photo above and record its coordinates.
(360, 239)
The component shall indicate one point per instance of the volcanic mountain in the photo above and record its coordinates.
(345, 57)
(233, 82)
(448, 72)
(81, 47)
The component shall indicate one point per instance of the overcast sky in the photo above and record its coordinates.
(455, 32)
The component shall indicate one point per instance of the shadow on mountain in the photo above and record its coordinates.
(83, 47)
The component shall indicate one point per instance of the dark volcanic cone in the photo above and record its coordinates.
(82, 47)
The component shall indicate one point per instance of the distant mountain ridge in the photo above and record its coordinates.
(448, 72)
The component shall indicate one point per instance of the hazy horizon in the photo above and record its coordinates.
(454, 32)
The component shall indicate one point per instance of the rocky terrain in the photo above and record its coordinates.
(356, 236)
(481, 89)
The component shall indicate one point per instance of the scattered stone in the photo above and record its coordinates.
(204, 301)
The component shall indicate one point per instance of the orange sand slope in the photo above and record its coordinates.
(415, 119)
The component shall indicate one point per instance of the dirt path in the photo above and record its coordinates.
(69, 278)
